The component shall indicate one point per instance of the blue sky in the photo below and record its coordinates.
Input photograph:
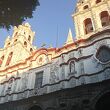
(51, 19)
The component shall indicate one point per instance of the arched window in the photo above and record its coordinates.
(98, 1)
(31, 49)
(72, 67)
(25, 43)
(8, 44)
(103, 54)
(88, 25)
(29, 38)
(15, 40)
(9, 58)
(105, 18)
(15, 34)
(1, 60)
(86, 7)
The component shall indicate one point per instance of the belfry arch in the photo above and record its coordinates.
(105, 18)
(88, 25)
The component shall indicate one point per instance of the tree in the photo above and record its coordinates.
(14, 12)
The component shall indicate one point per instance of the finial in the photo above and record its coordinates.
(69, 38)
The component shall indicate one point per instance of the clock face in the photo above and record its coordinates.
(41, 60)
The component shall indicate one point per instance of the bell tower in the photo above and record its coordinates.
(19, 46)
(90, 17)
(22, 34)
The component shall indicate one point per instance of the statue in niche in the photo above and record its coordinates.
(54, 73)
(72, 68)
(80, 52)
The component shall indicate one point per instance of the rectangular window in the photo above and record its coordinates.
(39, 79)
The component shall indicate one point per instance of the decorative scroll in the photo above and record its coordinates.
(42, 59)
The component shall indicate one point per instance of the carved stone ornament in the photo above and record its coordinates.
(54, 72)
(42, 59)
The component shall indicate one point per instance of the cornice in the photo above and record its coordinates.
(57, 51)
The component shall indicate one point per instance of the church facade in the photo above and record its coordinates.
(73, 77)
